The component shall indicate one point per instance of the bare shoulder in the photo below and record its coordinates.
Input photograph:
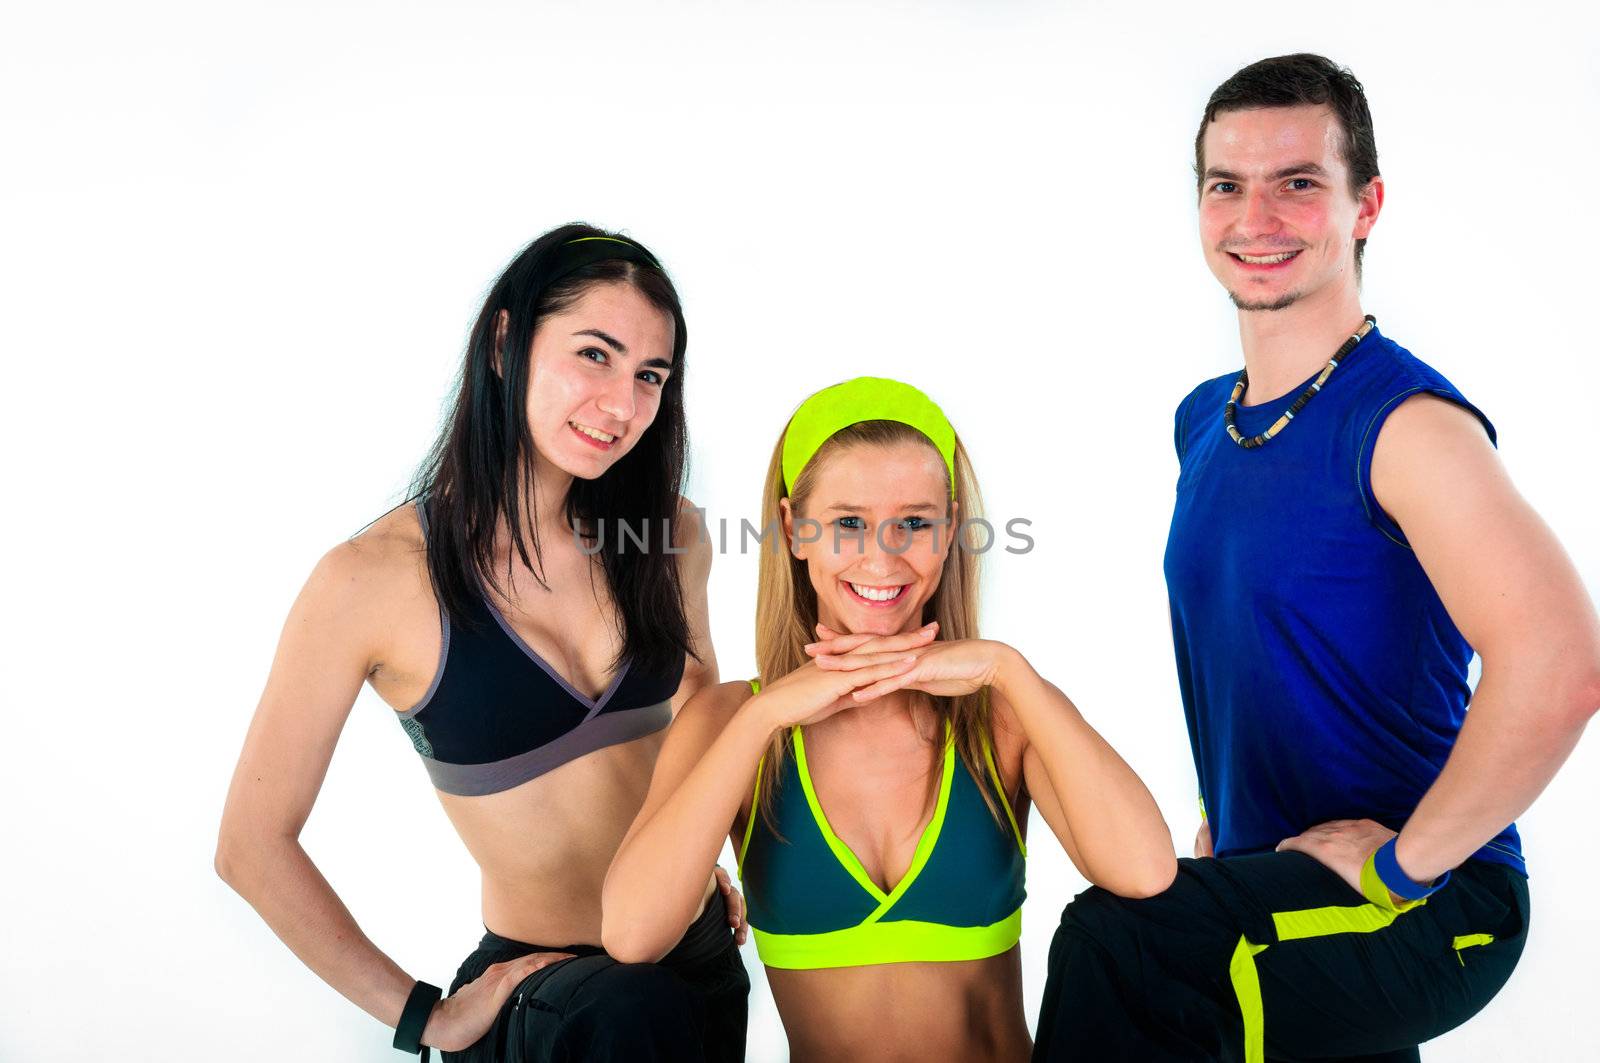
(689, 535)
(696, 727)
(1425, 419)
(396, 534)
(1430, 444)
(690, 526)
(376, 569)
(715, 705)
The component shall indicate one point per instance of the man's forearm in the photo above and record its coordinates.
(1521, 725)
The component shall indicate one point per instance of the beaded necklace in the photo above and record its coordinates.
(1299, 403)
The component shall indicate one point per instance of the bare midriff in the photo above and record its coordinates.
(967, 1010)
(544, 847)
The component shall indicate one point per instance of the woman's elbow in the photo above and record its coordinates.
(629, 941)
(1159, 878)
(625, 930)
(244, 857)
(1149, 878)
(231, 860)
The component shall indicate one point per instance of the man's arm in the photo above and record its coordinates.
(1516, 597)
(1513, 592)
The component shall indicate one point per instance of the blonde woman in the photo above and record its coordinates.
(876, 780)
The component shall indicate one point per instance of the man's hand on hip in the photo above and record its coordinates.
(1340, 845)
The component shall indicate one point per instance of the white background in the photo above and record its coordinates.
(242, 246)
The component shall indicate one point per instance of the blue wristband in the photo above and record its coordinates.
(1399, 883)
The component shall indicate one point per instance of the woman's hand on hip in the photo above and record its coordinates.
(733, 900)
(461, 1019)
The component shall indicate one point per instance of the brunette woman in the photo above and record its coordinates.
(534, 660)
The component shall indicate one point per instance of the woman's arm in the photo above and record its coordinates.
(323, 656)
(1095, 804)
(1103, 815)
(702, 781)
(328, 646)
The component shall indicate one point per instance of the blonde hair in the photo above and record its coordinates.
(786, 603)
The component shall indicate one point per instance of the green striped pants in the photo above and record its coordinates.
(1273, 957)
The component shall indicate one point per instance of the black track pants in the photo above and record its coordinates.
(1274, 958)
(689, 1007)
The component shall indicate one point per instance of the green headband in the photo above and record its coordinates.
(866, 398)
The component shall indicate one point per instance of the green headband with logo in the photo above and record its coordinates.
(866, 398)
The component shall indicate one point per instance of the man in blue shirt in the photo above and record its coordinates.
(1344, 537)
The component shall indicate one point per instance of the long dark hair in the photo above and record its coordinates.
(480, 470)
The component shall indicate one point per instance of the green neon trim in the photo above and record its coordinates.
(866, 398)
(755, 799)
(1299, 926)
(930, 833)
(1467, 941)
(1375, 890)
(1323, 922)
(755, 812)
(842, 852)
(1247, 987)
(1000, 789)
(905, 941)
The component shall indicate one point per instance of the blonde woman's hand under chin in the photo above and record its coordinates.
(833, 644)
(942, 669)
(812, 693)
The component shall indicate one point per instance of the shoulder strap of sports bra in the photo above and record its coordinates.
(755, 798)
(1000, 792)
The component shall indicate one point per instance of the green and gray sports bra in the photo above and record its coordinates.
(811, 903)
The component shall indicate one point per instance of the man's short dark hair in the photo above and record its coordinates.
(1291, 80)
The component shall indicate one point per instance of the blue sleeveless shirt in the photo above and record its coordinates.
(1321, 676)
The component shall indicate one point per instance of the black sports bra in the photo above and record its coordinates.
(497, 714)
